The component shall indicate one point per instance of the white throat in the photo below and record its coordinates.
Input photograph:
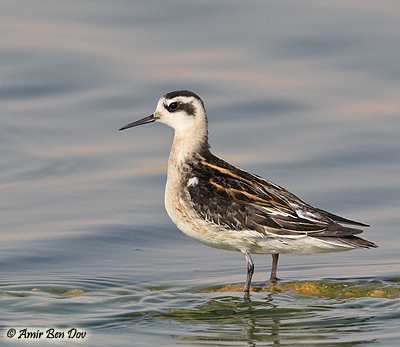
(187, 142)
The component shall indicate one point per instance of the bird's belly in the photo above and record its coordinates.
(202, 231)
(300, 245)
(251, 241)
(190, 223)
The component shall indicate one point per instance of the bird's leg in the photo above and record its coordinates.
(275, 258)
(250, 271)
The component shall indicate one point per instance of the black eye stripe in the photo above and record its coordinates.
(177, 105)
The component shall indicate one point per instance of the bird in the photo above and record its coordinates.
(228, 208)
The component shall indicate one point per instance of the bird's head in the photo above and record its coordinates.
(182, 110)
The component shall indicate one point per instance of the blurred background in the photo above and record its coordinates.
(303, 93)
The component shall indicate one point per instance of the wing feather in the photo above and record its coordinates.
(239, 200)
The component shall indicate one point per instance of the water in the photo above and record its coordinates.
(305, 94)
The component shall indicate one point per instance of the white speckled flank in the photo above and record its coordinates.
(225, 207)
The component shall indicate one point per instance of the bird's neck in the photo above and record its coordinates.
(186, 146)
(185, 150)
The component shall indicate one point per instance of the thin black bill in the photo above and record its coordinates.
(145, 120)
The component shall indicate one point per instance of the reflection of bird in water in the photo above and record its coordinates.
(225, 207)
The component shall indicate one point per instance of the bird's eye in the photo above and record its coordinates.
(173, 106)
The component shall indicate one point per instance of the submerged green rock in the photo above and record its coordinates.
(331, 289)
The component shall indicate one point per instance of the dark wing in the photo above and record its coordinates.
(236, 199)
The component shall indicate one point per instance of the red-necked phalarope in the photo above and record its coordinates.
(225, 207)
